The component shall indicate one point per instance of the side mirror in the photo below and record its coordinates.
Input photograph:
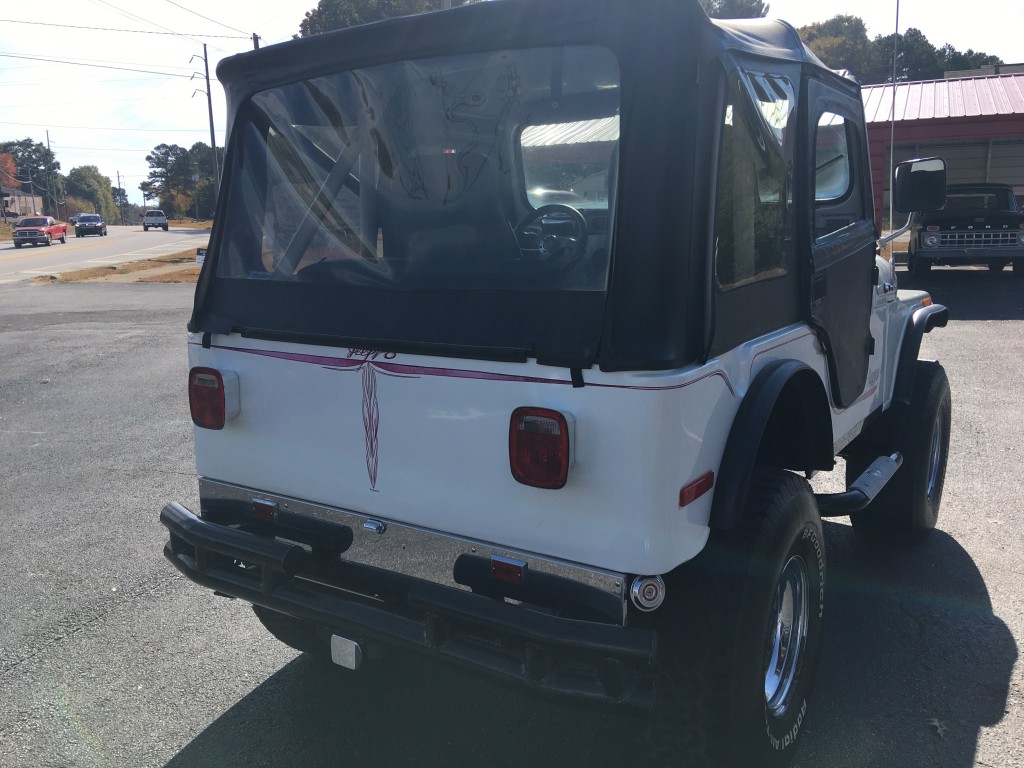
(919, 185)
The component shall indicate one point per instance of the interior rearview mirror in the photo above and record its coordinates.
(919, 185)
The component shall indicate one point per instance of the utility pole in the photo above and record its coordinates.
(120, 198)
(32, 189)
(52, 190)
(892, 115)
(209, 106)
(255, 41)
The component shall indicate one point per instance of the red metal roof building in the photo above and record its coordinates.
(975, 123)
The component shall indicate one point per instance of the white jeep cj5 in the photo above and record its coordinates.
(521, 328)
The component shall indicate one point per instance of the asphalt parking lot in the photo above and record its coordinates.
(109, 658)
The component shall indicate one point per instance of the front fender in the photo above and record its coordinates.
(921, 322)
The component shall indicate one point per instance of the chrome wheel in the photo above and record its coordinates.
(788, 637)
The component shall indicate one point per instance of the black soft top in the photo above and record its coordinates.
(653, 311)
(496, 23)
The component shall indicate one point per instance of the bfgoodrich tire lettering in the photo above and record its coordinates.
(908, 507)
(741, 642)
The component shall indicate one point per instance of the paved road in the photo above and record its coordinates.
(121, 244)
(108, 658)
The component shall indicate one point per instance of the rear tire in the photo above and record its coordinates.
(740, 643)
(907, 508)
(64, 237)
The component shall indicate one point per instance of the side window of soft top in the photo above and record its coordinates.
(838, 188)
(751, 205)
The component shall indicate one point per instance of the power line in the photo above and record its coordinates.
(78, 60)
(98, 66)
(131, 31)
(9, 176)
(144, 20)
(189, 10)
(107, 128)
(102, 149)
(83, 83)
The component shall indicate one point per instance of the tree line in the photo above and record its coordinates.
(842, 42)
(180, 182)
(183, 181)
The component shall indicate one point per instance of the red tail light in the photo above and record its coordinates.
(507, 569)
(538, 447)
(206, 398)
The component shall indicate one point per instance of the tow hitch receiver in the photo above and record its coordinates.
(346, 653)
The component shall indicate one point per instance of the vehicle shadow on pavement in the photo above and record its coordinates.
(401, 713)
(914, 663)
(972, 294)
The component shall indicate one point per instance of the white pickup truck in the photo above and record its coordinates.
(154, 219)
(515, 349)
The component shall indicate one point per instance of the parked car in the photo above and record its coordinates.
(155, 219)
(566, 445)
(73, 219)
(39, 230)
(90, 224)
(979, 224)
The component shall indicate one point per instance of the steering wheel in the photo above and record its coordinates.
(553, 236)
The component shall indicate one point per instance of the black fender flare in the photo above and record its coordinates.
(921, 322)
(807, 399)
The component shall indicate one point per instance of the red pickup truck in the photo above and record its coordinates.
(39, 230)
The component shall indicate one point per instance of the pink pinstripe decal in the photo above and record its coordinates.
(869, 394)
(371, 421)
(781, 344)
(400, 369)
(368, 363)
